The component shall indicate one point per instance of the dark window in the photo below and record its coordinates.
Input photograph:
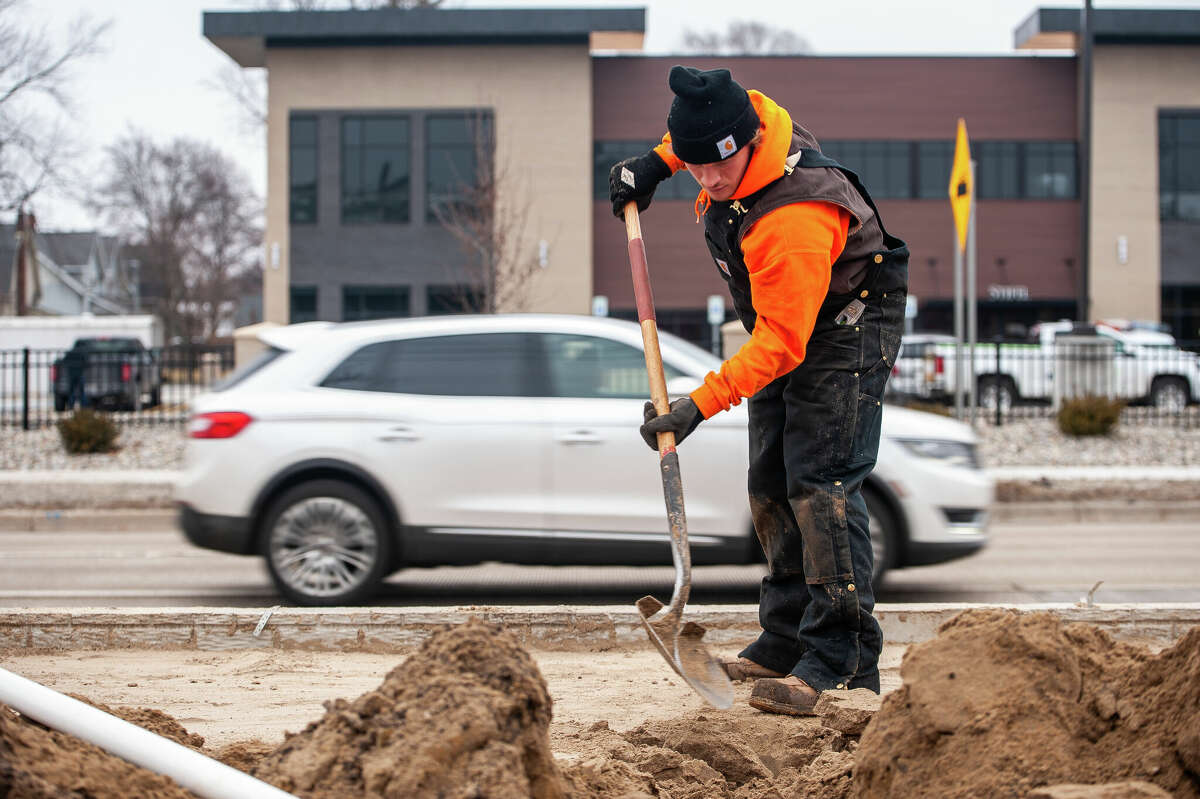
(302, 170)
(473, 365)
(1179, 165)
(375, 169)
(606, 153)
(1181, 311)
(997, 170)
(373, 302)
(1050, 170)
(458, 154)
(587, 366)
(452, 299)
(934, 159)
(303, 304)
(885, 167)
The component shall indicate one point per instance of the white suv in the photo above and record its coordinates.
(347, 452)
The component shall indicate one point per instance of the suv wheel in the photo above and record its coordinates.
(1169, 394)
(326, 543)
(884, 535)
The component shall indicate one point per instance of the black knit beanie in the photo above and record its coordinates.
(711, 117)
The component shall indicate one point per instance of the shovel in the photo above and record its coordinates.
(678, 642)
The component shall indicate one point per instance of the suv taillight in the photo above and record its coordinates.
(53, 374)
(126, 372)
(222, 424)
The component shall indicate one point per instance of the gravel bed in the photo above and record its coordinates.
(1024, 442)
(150, 447)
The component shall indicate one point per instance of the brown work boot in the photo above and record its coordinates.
(739, 669)
(789, 695)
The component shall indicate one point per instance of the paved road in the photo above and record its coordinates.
(1138, 562)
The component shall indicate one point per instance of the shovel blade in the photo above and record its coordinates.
(684, 651)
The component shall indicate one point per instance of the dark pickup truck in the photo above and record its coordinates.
(116, 373)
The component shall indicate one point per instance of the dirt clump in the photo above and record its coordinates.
(1001, 703)
(39, 763)
(467, 715)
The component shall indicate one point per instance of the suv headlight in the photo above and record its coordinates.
(953, 452)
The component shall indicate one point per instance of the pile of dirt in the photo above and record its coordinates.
(39, 763)
(1000, 703)
(467, 715)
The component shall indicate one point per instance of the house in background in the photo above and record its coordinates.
(77, 272)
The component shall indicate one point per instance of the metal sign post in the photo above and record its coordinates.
(716, 318)
(972, 302)
(962, 194)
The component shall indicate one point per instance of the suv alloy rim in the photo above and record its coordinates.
(324, 546)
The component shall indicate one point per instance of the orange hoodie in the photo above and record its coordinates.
(789, 253)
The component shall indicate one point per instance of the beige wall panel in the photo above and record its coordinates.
(542, 100)
(1130, 85)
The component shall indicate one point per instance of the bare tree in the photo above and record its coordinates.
(36, 149)
(746, 37)
(190, 214)
(488, 214)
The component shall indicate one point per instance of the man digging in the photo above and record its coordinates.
(820, 286)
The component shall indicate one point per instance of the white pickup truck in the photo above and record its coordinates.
(1061, 359)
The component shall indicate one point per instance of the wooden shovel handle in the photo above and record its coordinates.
(645, 308)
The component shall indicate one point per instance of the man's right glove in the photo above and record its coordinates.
(635, 179)
(681, 420)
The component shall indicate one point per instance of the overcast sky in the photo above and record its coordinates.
(156, 72)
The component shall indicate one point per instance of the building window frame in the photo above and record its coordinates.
(303, 151)
(302, 303)
(363, 140)
(357, 300)
(1179, 165)
(478, 153)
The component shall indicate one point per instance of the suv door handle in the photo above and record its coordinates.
(580, 437)
(399, 433)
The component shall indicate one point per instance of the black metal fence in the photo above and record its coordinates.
(37, 386)
(1157, 382)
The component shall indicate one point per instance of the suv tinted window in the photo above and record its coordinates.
(589, 366)
(471, 365)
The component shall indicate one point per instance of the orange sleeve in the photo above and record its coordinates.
(789, 254)
(667, 154)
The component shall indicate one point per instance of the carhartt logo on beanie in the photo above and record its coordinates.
(711, 117)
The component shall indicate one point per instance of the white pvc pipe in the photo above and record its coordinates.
(199, 774)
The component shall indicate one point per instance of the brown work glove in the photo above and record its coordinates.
(682, 419)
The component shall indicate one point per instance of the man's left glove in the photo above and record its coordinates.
(682, 419)
(635, 179)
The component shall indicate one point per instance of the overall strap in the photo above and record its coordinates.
(809, 158)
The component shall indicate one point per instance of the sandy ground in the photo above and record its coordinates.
(246, 695)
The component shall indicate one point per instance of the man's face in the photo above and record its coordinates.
(721, 178)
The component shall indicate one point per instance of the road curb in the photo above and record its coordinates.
(99, 520)
(146, 519)
(386, 630)
(1111, 510)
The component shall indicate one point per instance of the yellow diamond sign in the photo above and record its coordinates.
(960, 185)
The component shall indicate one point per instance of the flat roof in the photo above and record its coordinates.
(1058, 28)
(246, 35)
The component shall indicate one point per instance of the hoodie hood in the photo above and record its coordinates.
(769, 158)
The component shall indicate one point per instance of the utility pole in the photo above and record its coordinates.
(22, 257)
